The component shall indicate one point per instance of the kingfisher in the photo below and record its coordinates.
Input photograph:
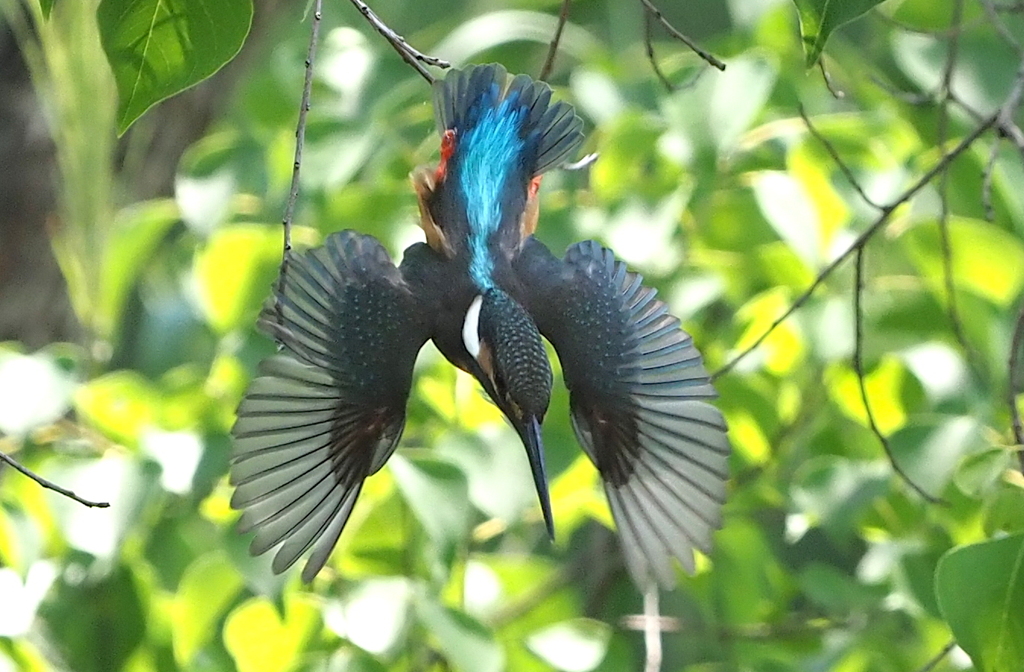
(328, 409)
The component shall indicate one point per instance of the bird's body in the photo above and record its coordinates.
(328, 411)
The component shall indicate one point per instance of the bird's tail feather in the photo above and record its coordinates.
(461, 99)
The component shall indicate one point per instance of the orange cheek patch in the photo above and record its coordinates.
(528, 222)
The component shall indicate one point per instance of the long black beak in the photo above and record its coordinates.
(535, 452)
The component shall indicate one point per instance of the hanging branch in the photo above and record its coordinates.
(836, 93)
(409, 54)
(834, 154)
(50, 485)
(652, 11)
(649, 45)
(1016, 384)
(866, 235)
(933, 663)
(858, 367)
(549, 62)
(946, 247)
(300, 140)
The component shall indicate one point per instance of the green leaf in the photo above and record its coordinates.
(34, 391)
(235, 273)
(135, 236)
(987, 261)
(157, 48)
(375, 614)
(980, 590)
(818, 18)
(47, 7)
(258, 639)
(468, 645)
(206, 590)
(578, 645)
(438, 495)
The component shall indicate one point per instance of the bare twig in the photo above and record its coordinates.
(937, 658)
(549, 62)
(409, 54)
(986, 181)
(649, 45)
(300, 140)
(858, 368)
(836, 93)
(946, 248)
(652, 629)
(839, 161)
(1016, 384)
(676, 33)
(50, 485)
(1000, 27)
(866, 235)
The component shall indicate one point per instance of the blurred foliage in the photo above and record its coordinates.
(716, 191)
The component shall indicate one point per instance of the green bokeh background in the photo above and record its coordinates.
(715, 191)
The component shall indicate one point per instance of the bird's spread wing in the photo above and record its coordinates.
(327, 411)
(638, 392)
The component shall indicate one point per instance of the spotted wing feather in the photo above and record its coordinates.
(327, 411)
(639, 404)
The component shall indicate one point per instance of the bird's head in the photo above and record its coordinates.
(512, 365)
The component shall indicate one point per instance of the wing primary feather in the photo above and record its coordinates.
(329, 409)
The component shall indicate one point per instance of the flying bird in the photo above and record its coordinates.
(328, 409)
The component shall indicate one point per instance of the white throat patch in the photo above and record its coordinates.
(471, 327)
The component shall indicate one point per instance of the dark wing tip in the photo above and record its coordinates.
(639, 398)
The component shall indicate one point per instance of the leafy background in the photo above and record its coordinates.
(168, 238)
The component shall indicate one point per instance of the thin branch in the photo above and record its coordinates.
(830, 148)
(931, 664)
(300, 140)
(652, 629)
(409, 54)
(1015, 384)
(50, 485)
(1000, 27)
(549, 62)
(676, 33)
(866, 235)
(986, 181)
(945, 246)
(649, 45)
(836, 93)
(858, 367)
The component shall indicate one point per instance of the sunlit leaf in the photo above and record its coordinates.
(467, 644)
(235, 271)
(121, 404)
(818, 18)
(34, 391)
(259, 640)
(884, 387)
(836, 491)
(784, 347)
(204, 594)
(374, 615)
(157, 48)
(578, 645)
(987, 260)
(980, 589)
(135, 236)
(929, 450)
(437, 493)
